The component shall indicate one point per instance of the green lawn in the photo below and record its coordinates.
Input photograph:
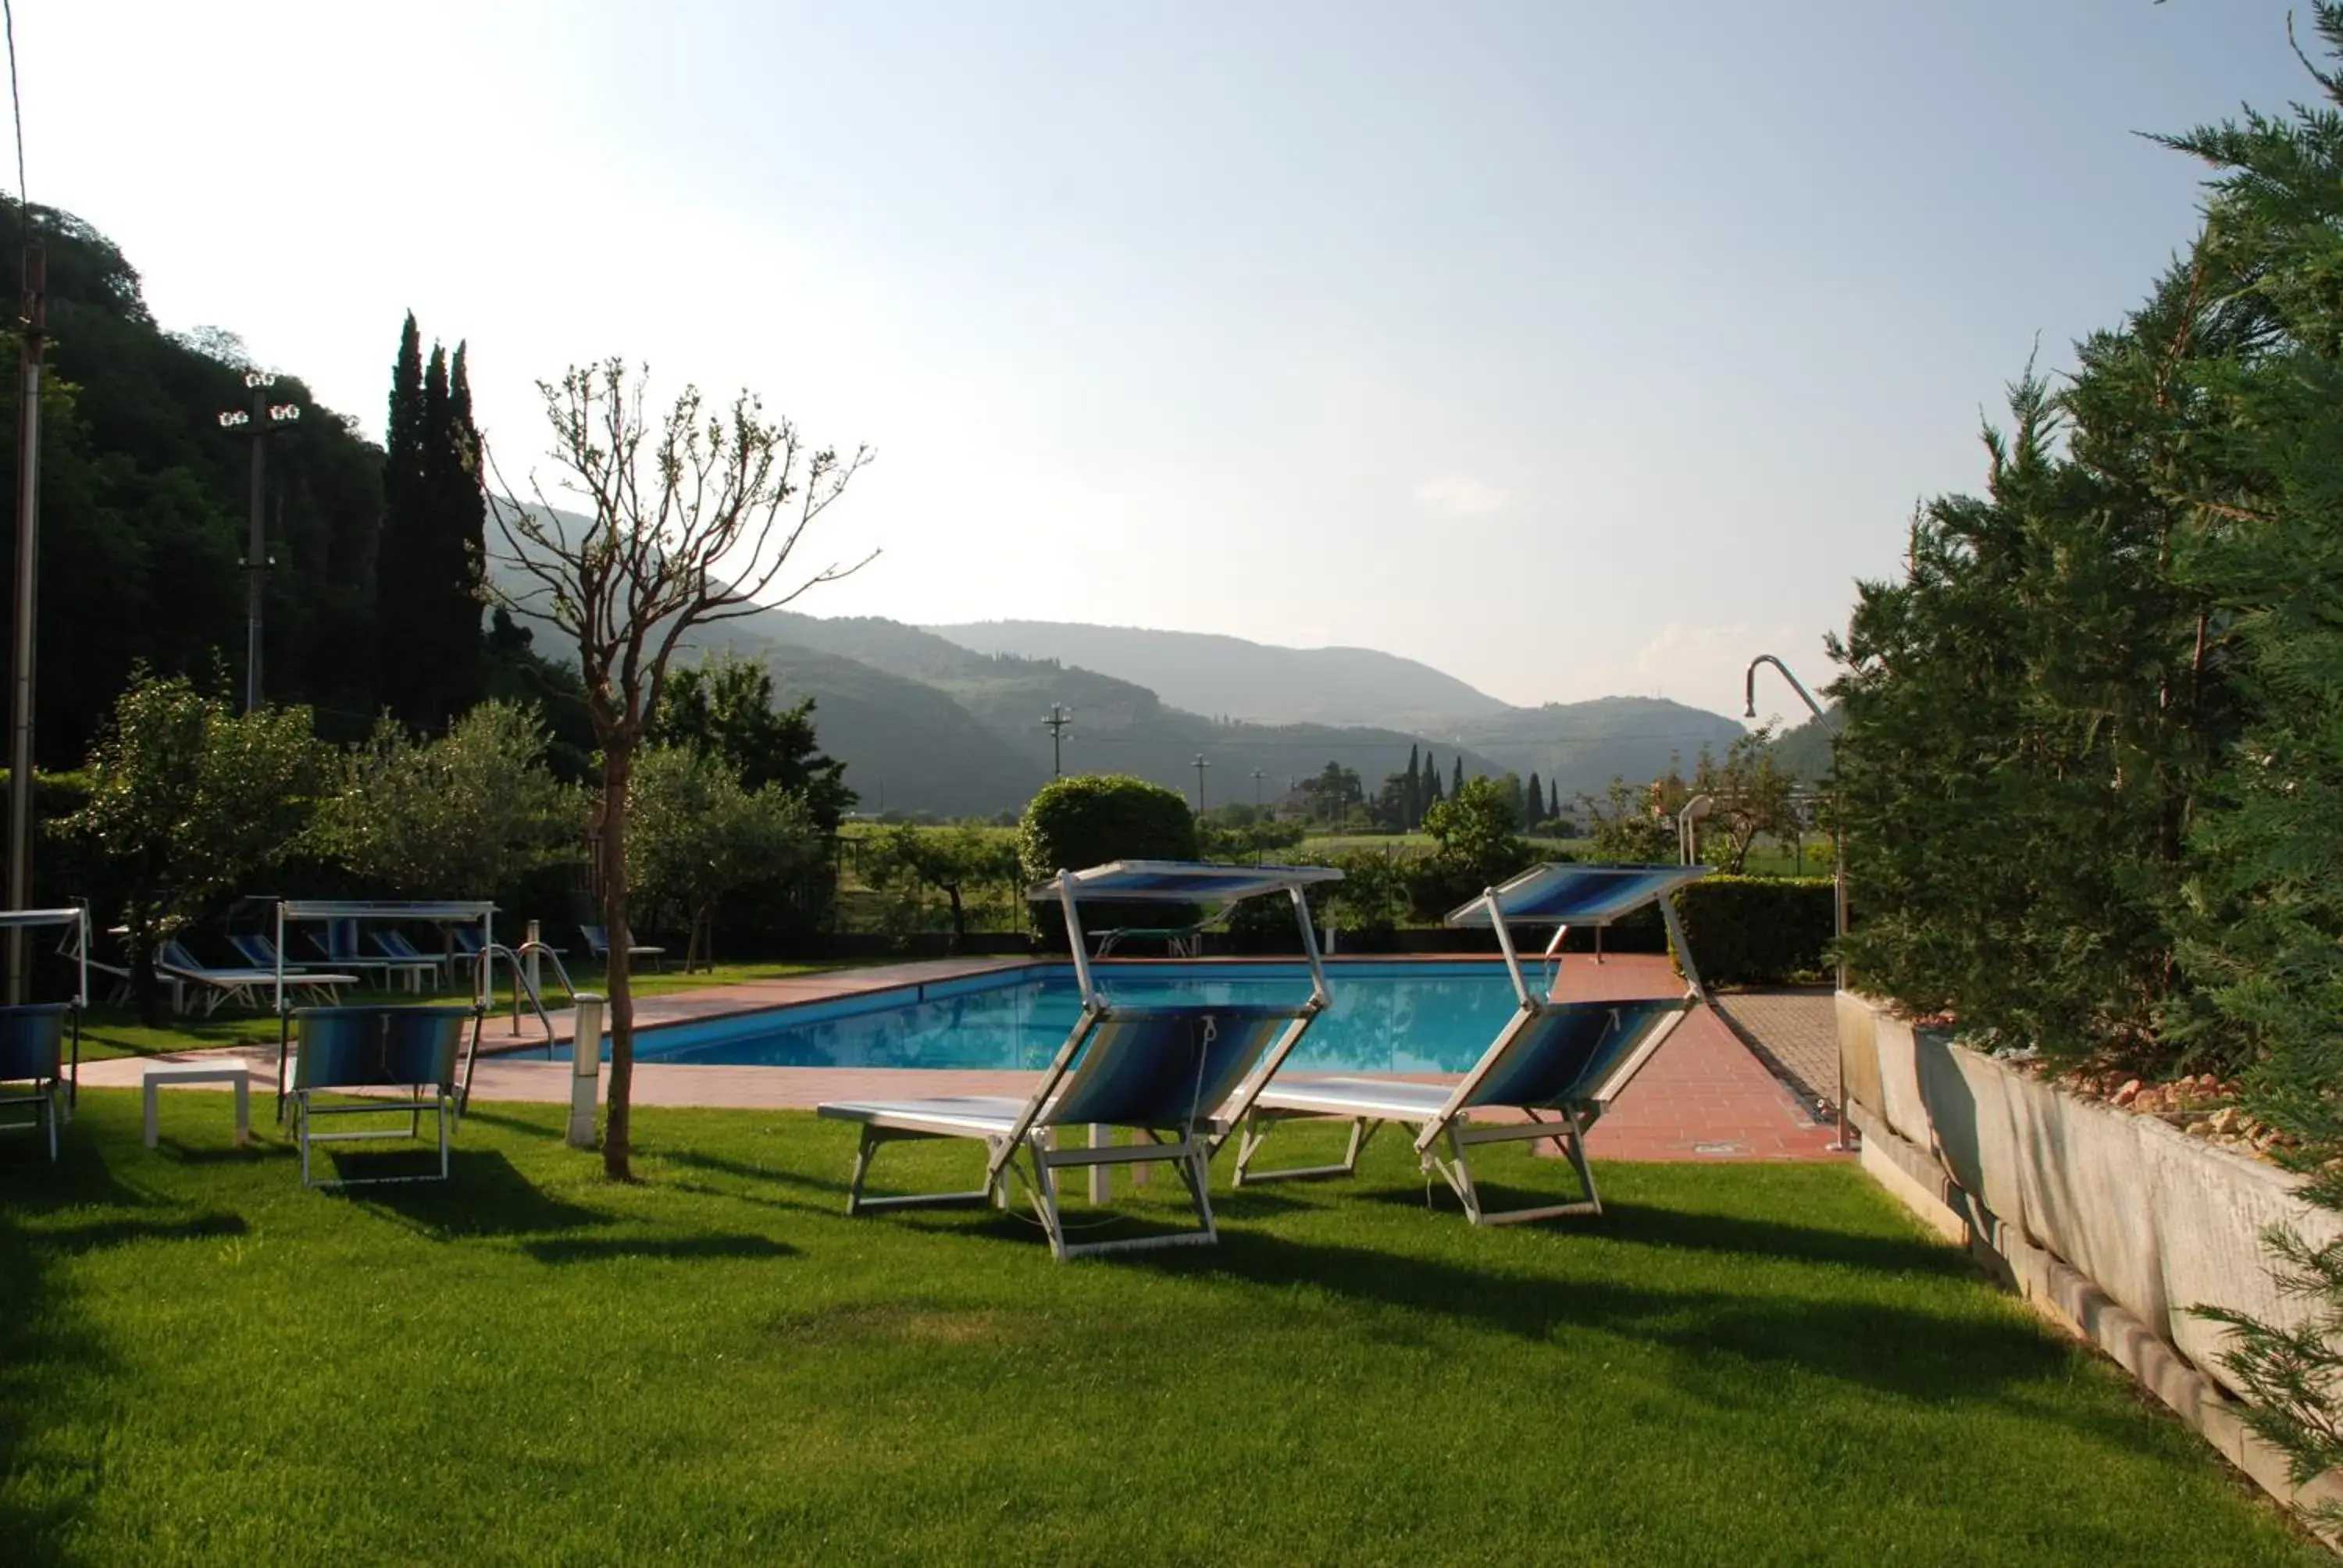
(116, 1032)
(201, 1362)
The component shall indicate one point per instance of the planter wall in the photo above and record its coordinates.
(2115, 1224)
(2158, 1219)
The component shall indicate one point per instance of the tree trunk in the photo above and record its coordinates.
(617, 764)
(145, 984)
(960, 920)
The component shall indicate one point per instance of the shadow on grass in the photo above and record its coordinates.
(717, 1164)
(601, 1248)
(483, 1196)
(1651, 1225)
(527, 1127)
(52, 1443)
(1893, 1350)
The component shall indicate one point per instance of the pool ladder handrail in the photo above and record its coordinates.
(524, 986)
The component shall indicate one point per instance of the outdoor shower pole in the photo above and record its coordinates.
(1838, 853)
(33, 324)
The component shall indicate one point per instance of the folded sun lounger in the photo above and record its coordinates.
(1180, 1074)
(1558, 1065)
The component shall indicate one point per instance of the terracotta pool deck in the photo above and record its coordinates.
(1704, 1096)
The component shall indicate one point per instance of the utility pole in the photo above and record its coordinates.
(257, 422)
(1201, 766)
(1056, 724)
(1257, 777)
(33, 327)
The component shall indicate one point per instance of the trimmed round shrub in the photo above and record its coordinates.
(1095, 818)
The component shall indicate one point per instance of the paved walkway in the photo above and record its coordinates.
(1794, 1030)
(1704, 1096)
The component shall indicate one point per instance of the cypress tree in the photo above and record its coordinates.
(1457, 783)
(463, 516)
(1431, 781)
(1553, 797)
(1535, 804)
(400, 556)
(1410, 794)
(428, 577)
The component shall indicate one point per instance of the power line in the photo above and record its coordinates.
(16, 107)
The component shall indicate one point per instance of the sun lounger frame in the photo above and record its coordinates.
(1015, 1131)
(1443, 1133)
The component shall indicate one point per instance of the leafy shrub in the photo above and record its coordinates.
(1095, 818)
(1757, 930)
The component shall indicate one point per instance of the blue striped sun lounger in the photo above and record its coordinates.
(1179, 1076)
(352, 1050)
(33, 1062)
(1556, 1066)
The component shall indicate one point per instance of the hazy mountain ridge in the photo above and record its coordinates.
(925, 723)
(1231, 676)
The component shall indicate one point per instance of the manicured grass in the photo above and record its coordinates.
(201, 1362)
(116, 1032)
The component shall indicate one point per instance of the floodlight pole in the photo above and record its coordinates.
(1838, 856)
(1201, 766)
(263, 418)
(33, 327)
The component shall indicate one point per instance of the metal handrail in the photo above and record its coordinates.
(523, 985)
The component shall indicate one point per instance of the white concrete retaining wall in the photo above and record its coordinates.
(2073, 1199)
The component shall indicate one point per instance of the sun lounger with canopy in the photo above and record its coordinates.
(37, 1072)
(1178, 1074)
(1558, 1064)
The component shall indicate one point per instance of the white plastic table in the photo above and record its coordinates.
(160, 1073)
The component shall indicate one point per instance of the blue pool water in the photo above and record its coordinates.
(1386, 1018)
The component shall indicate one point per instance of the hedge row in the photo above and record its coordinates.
(1757, 930)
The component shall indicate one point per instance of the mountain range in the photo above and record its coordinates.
(948, 719)
(927, 723)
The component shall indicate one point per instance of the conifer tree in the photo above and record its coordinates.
(1432, 792)
(1411, 792)
(400, 561)
(1535, 804)
(1456, 784)
(428, 573)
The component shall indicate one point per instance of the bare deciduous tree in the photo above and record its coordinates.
(689, 523)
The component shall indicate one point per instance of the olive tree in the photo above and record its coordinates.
(188, 798)
(695, 834)
(692, 516)
(458, 816)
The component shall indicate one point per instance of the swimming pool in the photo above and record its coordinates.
(1410, 1017)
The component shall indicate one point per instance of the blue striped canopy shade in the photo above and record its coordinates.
(1564, 1055)
(1185, 881)
(32, 1042)
(1575, 895)
(1163, 1067)
(378, 1047)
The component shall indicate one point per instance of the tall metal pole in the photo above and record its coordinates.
(1838, 855)
(34, 323)
(1056, 724)
(255, 556)
(1201, 766)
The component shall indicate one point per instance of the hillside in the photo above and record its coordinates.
(1582, 746)
(1232, 677)
(1805, 752)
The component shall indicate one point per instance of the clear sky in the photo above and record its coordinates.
(1574, 349)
